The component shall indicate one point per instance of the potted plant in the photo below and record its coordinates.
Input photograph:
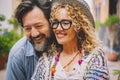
(112, 19)
(7, 40)
(2, 18)
(3, 51)
(112, 23)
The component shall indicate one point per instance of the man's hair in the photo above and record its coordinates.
(27, 5)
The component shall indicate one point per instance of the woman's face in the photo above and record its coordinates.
(63, 28)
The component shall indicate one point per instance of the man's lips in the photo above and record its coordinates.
(38, 38)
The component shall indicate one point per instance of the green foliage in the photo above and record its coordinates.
(116, 72)
(112, 20)
(16, 25)
(4, 46)
(97, 24)
(14, 22)
(2, 17)
(7, 41)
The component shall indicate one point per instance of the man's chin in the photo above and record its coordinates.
(39, 47)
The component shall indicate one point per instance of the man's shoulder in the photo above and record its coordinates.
(19, 44)
(20, 47)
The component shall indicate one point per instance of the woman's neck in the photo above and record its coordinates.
(70, 48)
(69, 56)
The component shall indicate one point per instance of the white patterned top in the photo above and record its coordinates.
(93, 67)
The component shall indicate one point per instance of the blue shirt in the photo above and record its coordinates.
(22, 61)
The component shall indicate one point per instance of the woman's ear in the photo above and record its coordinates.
(77, 28)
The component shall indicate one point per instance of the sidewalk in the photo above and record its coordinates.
(111, 66)
(3, 74)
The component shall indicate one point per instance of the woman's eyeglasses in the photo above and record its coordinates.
(65, 24)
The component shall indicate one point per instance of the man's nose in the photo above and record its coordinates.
(34, 32)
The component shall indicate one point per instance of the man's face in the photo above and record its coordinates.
(36, 28)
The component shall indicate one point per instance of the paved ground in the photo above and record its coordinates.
(2, 74)
(111, 65)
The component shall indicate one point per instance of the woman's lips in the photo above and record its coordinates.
(60, 35)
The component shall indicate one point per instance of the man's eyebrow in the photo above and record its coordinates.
(33, 24)
(38, 23)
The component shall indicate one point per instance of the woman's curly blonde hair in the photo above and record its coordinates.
(82, 20)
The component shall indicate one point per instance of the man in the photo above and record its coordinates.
(33, 16)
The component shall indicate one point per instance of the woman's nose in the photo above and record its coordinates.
(59, 27)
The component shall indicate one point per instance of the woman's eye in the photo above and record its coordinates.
(65, 23)
(55, 22)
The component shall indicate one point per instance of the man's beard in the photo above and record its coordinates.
(41, 46)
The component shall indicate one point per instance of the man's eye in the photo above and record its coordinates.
(39, 26)
(27, 28)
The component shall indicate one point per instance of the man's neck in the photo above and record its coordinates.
(39, 53)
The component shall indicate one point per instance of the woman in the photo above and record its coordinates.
(79, 55)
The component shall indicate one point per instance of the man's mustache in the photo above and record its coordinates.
(37, 37)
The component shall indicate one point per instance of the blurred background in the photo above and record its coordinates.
(106, 14)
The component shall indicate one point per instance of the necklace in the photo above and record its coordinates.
(53, 70)
(70, 61)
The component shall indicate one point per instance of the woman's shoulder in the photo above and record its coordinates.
(96, 53)
(97, 65)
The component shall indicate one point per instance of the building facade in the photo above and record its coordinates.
(104, 8)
